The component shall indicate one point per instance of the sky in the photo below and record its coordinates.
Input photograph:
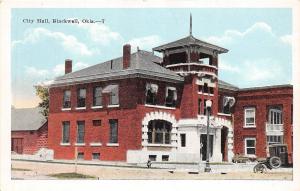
(258, 40)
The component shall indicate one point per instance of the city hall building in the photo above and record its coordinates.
(141, 106)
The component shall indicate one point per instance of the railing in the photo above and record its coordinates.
(274, 127)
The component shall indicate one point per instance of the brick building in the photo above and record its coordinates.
(29, 130)
(141, 106)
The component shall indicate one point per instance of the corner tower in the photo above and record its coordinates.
(197, 62)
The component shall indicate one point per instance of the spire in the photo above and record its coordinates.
(191, 24)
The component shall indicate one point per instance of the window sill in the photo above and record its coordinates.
(205, 94)
(79, 144)
(159, 145)
(112, 106)
(97, 107)
(66, 109)
(80, 108)
(95, 144)
(224, 114)
(249, 126)
(112, 144)
(65, 144)
(250, 156)
(160, 106)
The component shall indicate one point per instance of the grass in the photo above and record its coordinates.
(20, 169)
(71, 175)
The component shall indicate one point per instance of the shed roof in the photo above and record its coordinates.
(26, 119)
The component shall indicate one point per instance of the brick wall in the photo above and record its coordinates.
(130, 115)
(32, 140)
(261, 99)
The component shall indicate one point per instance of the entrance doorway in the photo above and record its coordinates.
(224, 134)
(204, 145)
(17, 145)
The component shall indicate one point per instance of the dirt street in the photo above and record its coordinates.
(41, 170)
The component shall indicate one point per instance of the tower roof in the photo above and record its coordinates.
(187, 41)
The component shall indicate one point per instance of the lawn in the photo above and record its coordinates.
(72, 175)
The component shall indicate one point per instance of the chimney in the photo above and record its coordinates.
(68, 66)
(126, 56)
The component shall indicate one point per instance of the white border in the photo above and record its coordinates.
(5, 98)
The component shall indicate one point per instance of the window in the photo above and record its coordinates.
(165, 157)
(250, 146)
(80, 155)
(274, 139)
(152, 157)
(226, 105)
(67, 99)
(96, 156)
(66, 132)
(205, 88)
(80, 131)
(200, 88)
(199, 106)
(211, 90)
(171, 97)
(114, 96)
(275, 116)
(81, 95)
(249, 117)
(159, 132)
(97, 96)
(97, 122)
(151, 93)
(183, 140)
(113, 131)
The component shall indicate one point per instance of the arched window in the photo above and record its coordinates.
(159, 132)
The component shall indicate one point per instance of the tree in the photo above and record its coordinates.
(43, 93)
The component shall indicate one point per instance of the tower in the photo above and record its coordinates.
(197, 62)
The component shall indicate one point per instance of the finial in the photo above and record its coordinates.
(191, 24)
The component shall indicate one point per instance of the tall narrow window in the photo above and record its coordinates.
(67, 99)
(211, 90)
(205, 88)
(151, 93)
(183, 140)
(249, 117)
(66, 132)
(81, 95)
(199, 106)
(114, 96)
(113, 131)
(171, 96)
(250, 146)
(97, 96)
(80, 131)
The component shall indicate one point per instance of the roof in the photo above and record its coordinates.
(189, 40)
(266, 87)
(226, 85)
(141, 63)
(26, 119)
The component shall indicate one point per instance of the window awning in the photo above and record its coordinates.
(152, 87)
(109, 88)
